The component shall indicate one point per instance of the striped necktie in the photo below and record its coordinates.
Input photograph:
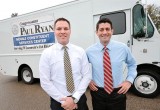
(108, 82)
(68, 71)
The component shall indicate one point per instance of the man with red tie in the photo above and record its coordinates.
(108, 86)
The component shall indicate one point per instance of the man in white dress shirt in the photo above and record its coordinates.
(52, 72)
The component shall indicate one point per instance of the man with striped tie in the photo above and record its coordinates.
(108, 87)
(64, 71)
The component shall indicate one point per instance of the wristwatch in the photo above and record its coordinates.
(75, 100)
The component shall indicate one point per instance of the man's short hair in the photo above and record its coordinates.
(61, 19)
(103, 20)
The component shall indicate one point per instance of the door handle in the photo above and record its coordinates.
(128, 43)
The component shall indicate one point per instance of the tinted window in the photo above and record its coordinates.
(118, 22)
(139, 23)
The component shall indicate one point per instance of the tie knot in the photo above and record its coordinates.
(105, 48)
(64, 47)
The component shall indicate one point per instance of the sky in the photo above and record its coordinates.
(7, 7)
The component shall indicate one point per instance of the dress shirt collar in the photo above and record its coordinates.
(60, 46)
(101, 47)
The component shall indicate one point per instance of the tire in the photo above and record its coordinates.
(146, 84)
(27, 75)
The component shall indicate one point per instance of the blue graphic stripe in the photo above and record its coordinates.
(43, 38)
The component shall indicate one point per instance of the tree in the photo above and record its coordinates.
(154, 13)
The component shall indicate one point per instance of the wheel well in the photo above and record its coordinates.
(149, 66)
(19, 71)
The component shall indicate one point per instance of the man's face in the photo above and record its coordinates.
(104, 33)
(62, 32)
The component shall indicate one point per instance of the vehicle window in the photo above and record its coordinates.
(139, 23)
(118, 21)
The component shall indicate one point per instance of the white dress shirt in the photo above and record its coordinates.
(52, 74)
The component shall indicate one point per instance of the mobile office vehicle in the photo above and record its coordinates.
(24, 37)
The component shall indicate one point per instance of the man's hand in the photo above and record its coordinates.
(68, 104)
(93, 86)
(124, 87)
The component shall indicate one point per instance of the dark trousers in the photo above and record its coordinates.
(82, 104)
(101, 100)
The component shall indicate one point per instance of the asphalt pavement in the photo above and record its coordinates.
(16, 95)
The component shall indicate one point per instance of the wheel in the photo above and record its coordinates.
(27, 76)
(146, 84)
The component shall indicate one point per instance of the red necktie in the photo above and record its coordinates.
(108, 82)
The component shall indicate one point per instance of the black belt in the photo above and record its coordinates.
(114, 90)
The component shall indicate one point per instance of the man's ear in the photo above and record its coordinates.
(112, 31)
(96, 32)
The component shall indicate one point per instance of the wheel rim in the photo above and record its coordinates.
(27, 75)
(145, 84)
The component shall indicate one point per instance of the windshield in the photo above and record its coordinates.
(139, 23)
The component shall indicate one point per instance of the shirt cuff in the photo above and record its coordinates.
(60, 99)
(77, 95)
(130, 79)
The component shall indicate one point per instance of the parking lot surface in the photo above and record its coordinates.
(16, 95)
